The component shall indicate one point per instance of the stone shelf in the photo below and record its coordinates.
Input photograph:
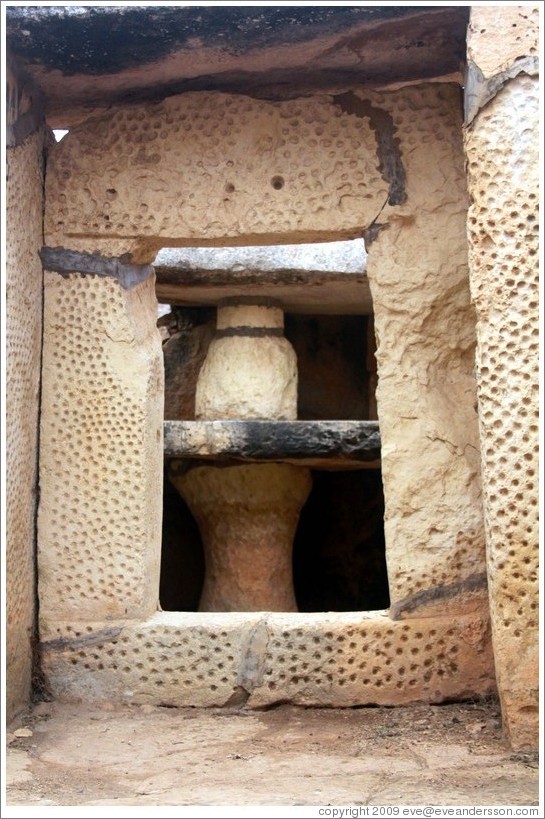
(328, 445)
(317, 278)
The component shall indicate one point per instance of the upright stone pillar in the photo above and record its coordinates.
(501, 142)
(247, 515)
(425, 331)
(101, 442)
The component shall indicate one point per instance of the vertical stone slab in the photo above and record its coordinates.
(24, 196)
(101, 441)
(502, 158)
(425, 329)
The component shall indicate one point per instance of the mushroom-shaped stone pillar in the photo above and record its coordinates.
(247, 514)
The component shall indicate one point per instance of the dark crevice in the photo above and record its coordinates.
(66, 262)
(39, 687)
(388, 150)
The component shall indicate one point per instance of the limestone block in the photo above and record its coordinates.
(213, 659)
(333, 257)
(426, 395)
(248, 374)
(502, 150)
(201, 168)
(347, 444)
(247, 516)
(24, 195)
(101, 449)
(498, 36)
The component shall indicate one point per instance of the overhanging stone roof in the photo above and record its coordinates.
(85, 57)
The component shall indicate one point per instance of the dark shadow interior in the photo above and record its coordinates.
(339, 553)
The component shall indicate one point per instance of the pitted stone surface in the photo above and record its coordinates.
(24, 194)
(497, 40)
(214, 167)
(502, 151)
(101, 439)
(309, 659)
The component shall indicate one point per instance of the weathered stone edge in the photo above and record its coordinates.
(479, 90)
(272, 440)
(65, 262)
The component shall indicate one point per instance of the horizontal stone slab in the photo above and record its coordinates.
(318, 444)
(322, 278)
(326, 257)
(330, 659)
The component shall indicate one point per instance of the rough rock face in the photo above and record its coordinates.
(426, 395)
(184, 353)
(334, 257)
(268, 51)
(352, 443)
(317, 278)
(250, 370)
(503, 170)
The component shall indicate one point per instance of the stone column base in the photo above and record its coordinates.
(247, 516)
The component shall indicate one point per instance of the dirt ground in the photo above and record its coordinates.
(144, 755)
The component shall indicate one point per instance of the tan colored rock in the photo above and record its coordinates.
(23, 294)
(332, 659)
(99, 526)
(246, 375)
(236, 169)
(247, 516)
(426, 395)
(213, 168)
(502, 149)
(497, 37)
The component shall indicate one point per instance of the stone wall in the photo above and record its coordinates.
(24, 197)
(502, 147)
(215, 169)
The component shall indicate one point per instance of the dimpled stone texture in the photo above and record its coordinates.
(309, 659)
(247, 516)
(425, 330)
(498, 37)
(24, 194)
(502, 151)
(212, 166)
(101, 450)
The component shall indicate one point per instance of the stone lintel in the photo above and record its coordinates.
(63, 261)
(321, 444)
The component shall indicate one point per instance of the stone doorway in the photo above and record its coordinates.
(388, 166)
(338, 550)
